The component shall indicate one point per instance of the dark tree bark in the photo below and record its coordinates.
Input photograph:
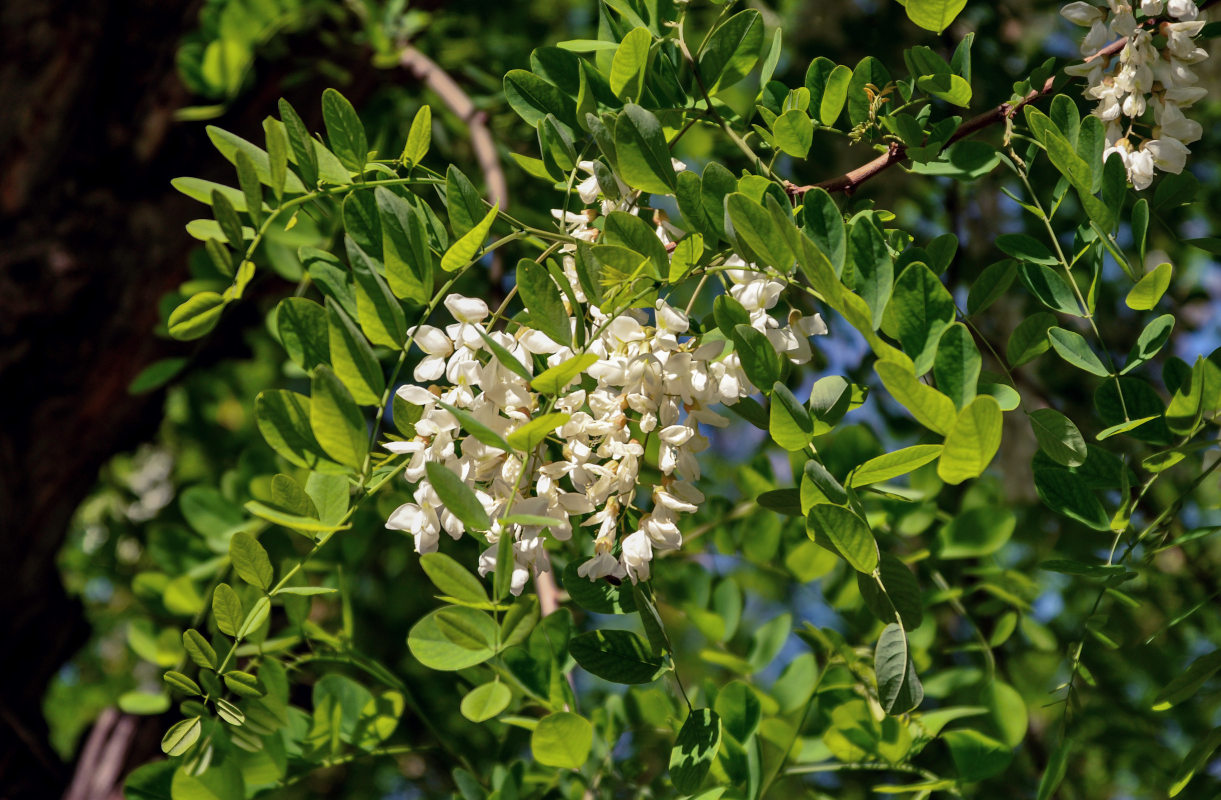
(91, 236)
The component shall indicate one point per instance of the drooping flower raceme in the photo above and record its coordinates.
(1142, 80)
(649, 390)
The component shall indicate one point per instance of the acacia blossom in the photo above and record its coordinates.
(652, 385)
(1140, 79)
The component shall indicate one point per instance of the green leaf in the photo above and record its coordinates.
(302, 326)
(227, 609)
(893, 464)
(353, 359)
(976, 756)
(1026, 249)
(934, 15)
(953, 89)
(873, 267)
(1187, 683)
(738, 706)
(156, 375)
(732, 51)
(694, 750)
(475, 428)
(459, 498)
(923, 310)
(542, 299)
(302, 146)
(381, 317)
(1145, 295)
(409, 263)
(196, 316)
(972, 441)
(306, 525)
(1029, 339)
(1050, 289)
(452, 579)
(507, 359)
(1067, 493)
(630, 65)
(463, 251)
(868, 70)
(931, 408)
(826, 484)
(243, 684)
(531, 434)
(686, 257)
(360, 220)
(553, 380)
(835, 95)
(899, 689)
(199, 649)
(957, 365)
(182, 683)
(824, 224)
(250, 561)
(759, 359)
(534, 98)
(1057, 765)
(226, 215)
(463, 201)
(991, 285)
(794, 132)
(748, 223)
(282, 417)
(419, 138)
(598, 596)
(1072, 347)
(847, 533)
(1199, 757)
(642, 152)
(562, 739)
(1150, 342)
(230, 145)
(615, 655)
(632, 232)
(252, 190)
(790, 424)
(1058, 437)
(976, 532)
(899, 593)
(485, 701)
(181, 736)
(1007, 711)
(277, 157)
(336, 420)
(344, 131)
(453, 638)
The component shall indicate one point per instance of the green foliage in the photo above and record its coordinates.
(897, 497)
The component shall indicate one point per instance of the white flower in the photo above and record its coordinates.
(1169, 155)
(466, 309)
(1182, 9)
(637, 553)
(1140, 168)
(1123, 89)
(1082, 14)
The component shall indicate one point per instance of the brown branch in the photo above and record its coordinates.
(897, 153)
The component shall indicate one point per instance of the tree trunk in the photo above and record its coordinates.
(91, 236)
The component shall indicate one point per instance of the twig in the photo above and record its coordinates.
(897, 153)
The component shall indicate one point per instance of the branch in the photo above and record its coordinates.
(897, 153)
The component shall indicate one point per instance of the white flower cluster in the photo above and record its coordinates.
(1141, 77)
(651, 380)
